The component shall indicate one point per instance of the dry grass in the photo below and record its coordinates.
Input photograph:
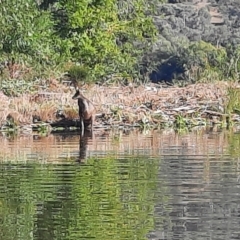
(136, 103)
(130, 104)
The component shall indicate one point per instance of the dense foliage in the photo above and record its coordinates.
(27, 32)
(110, 39)
(191, 47)
(105, 37)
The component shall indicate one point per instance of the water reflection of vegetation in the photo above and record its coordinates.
(234, 144)
(102, 199)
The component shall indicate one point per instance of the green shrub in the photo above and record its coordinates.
(107, 37)
(77, 72)
(233, 102)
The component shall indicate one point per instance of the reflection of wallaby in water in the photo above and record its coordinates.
(83, 145)
(86, 109)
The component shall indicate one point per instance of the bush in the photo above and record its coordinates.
(197, 61)
(107, 37)
(27, 31)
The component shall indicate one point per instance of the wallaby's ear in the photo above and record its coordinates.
(76, 95)
(75, 84)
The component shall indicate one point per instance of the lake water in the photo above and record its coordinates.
(121, 185)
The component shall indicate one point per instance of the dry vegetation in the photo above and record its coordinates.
(151, 105)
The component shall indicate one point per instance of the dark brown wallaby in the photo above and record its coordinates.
(86, 110)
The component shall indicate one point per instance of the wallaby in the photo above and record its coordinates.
(86, 110)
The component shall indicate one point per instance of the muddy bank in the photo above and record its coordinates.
(149, 106)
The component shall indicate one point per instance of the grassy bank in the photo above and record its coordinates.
(145, 106)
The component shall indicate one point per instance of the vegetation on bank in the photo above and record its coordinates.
(112, 40)
(145, 107)
(105, 37)
(104, 42)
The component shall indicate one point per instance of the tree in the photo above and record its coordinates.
(107, 36)
(27, 31)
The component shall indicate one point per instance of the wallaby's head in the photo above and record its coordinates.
(74, 84)
(77, 95)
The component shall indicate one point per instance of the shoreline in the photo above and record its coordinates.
(148, 106)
